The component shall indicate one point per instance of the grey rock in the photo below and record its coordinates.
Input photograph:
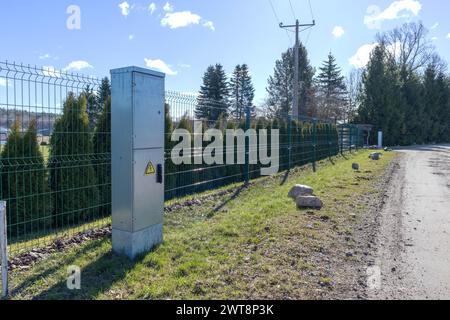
(300, 190)
(375, 156)
(309, 202)
(355, 166)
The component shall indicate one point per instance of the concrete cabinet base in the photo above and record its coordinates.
(133, 244)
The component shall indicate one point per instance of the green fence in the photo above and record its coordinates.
(55, 164)
(55, 154)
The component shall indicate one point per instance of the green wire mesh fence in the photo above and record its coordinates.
(55, 143)
(55, 154)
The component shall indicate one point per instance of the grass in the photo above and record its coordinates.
(249, 245)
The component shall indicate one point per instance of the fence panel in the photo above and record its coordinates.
(55, 161)
(300, 142)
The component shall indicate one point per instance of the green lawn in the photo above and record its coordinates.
(251, 244)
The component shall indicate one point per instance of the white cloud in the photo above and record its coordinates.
(168, 7)
(184, 65)
(396, 10)
(131, 37)
(180, 19)
(209, 25)
(362, 56)
(434, 26)
(125, 8)
(152, 7)
(160, 65)
(45, 56)
(50, 71)
(448, 36)
(77, 66)
(434, 38)
(338, 31)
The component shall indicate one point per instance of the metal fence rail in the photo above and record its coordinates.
(55, 161)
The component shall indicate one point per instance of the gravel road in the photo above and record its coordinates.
(413, 245)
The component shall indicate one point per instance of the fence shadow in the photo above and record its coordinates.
(97, 277)
(233, 197)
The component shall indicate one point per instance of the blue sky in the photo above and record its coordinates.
(183, 37)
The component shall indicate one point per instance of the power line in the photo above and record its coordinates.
(292, 10)
(311, 10)
(278, 21)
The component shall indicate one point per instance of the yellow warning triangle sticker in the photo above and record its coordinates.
(150, 170)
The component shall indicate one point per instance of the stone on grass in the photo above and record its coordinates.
(300, 190)
(355, 167)
(375, 156)
(309, 202)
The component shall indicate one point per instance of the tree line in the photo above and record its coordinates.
(405, 89)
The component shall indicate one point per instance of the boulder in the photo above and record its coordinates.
(375, 156)
(309, 202)
(300, 190)
(355, 167)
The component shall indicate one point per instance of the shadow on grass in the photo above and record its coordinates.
(222, 205)
(96, 278)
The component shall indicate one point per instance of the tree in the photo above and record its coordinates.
(242, 92)
(102, 158)
(331, 90)
(103, 93)
(280, 85)
(24, 183)
(213, 99)
(72, 176)
(408, 46)
(92, 107)
(354, 88)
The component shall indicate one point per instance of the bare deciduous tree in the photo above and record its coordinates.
(408, 46)
(353, 83)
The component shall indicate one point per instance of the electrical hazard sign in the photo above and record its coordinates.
(150, 170)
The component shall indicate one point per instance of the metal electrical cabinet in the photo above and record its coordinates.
(137, 135)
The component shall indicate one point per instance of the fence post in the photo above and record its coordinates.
(4, 249)
(314, 144)
(342, 140)
(247, 146)
(350, 137)
(137, 133)
(289, 129)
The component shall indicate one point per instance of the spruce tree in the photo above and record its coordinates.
(332, 89)
(280, 85)
(72, 176)
(103, 93)
(242, 93)
(213, 99)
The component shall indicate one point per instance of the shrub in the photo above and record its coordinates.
(24, 185)
(72, 177)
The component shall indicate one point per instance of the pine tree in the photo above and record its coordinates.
(24, 183)
(72, 177)
(102, 161)
(280, 85)
(332, 89)
(213, 99)
(242, 93)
